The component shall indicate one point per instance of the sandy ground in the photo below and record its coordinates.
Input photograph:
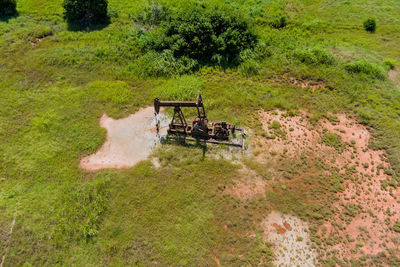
(290, 236)
(129, 140)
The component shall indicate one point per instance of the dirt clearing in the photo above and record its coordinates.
(129, 140)
(367, 205)
(248, 186)
(332, 154)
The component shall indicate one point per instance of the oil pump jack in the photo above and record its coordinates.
(200, 129)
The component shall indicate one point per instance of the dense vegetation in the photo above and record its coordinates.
(85, 13)
(202, 35)
(370, 25)
(56, 83)
(7, 7)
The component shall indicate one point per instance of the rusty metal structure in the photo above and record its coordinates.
(200, 129)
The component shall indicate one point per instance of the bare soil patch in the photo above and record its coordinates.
(367, 206)
(248, 185)
(304, 83)
(129, 140)
(291, 240)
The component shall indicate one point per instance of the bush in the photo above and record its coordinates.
(85, 13)
(205, 36)
(259, 52)
(370, 25)
(152, 15)
(279, 22)
(363, 66)
(8, 7)
(314, 56)
(390, 62)
(333, 140)
(396, 227)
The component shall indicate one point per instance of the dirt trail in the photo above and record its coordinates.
(129, 140)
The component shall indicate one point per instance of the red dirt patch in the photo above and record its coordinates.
(287, 226)
(249, 186)
(279, 229)
(304, 83)
(216, 260)
(367, 207)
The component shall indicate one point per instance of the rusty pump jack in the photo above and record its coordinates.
(200, 129)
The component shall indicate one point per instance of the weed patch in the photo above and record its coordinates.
(333, 140)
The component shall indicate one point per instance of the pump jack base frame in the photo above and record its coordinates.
(200, 130)
(187, 138)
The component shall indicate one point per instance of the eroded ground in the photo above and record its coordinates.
(330, 166)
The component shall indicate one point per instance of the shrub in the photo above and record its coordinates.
(259, 52)
(333, 140)
(152, 15)
(370, 25)
(396, 226)
(8, 7)
(314, 56)
(366, 67)
(205, 36)
(279, 22)
(85, 13)
(390, 62)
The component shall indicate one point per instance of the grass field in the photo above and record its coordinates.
(55, 84)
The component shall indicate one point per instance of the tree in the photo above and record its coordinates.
(8, 7)
(370, 25)
(207, 36)
(85, 13)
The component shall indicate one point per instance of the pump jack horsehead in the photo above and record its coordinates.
(200, 129)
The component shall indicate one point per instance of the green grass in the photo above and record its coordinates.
(53, 92)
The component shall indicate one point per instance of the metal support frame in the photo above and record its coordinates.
(216, 133)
